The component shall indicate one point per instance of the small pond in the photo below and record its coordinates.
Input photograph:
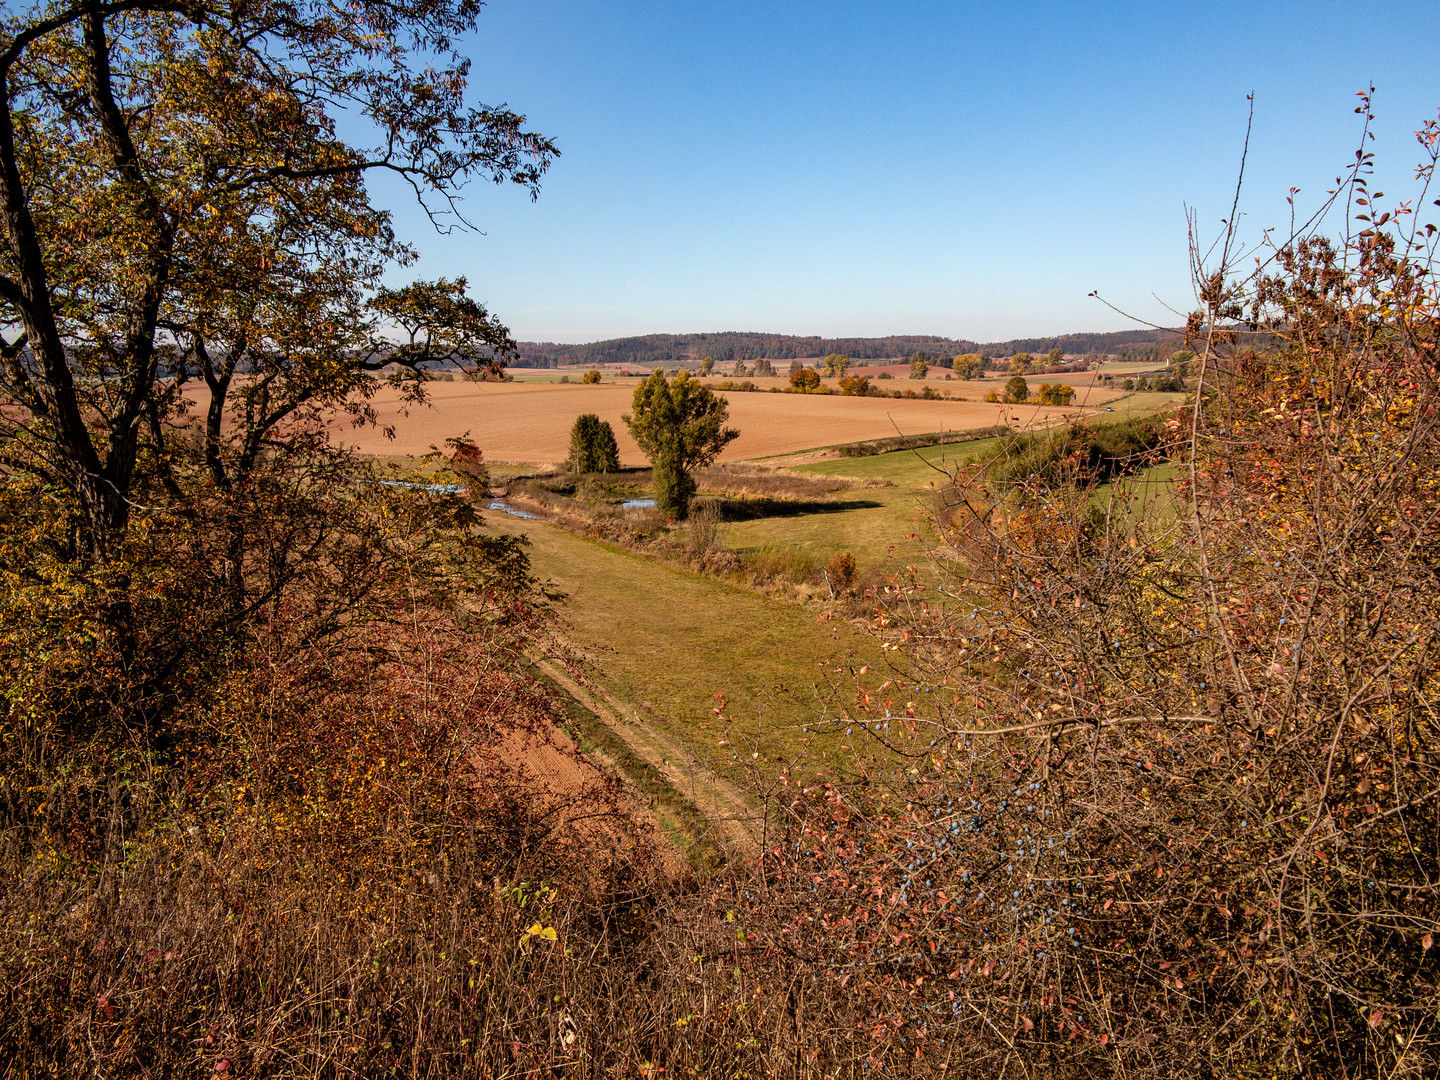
(636, 504)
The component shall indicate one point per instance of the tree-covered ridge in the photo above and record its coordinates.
(652, 349)
(1122, 342)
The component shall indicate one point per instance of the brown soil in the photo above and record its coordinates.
(558, 776)
(531, 422)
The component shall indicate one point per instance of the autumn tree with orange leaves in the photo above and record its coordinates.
(180, 215)
(189, 292)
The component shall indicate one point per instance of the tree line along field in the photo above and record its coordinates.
(888, 375)
(530, 422)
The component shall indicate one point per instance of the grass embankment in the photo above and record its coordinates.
(1150, 494)
(666, 641)
(875, 534)
(684, 823)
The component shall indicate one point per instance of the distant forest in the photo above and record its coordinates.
(653, 350)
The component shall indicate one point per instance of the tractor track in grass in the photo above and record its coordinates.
(735, 818)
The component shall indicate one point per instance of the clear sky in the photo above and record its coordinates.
(966, 169)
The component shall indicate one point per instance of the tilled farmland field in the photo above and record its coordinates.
(522, 422)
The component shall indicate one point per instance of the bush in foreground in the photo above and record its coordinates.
(1171, 800)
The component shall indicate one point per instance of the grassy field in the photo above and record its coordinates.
(913, 470)
(1149, 494)
(666, 641)
(877, 536)
(1144, 403)
(1131, 367)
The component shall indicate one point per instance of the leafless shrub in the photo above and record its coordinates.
(840, 572)
(702, 527)
(1171, 803)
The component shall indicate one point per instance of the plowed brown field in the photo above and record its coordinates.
(519, 422)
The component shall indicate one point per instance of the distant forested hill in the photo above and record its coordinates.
(1122, 341)
(653, 350)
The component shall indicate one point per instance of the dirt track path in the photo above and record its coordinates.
(726, 806)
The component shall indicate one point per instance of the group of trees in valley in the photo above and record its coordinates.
(805, 380)
(762, 368)
(969, 365)
(592, 446)
(1017, 391)
(753, 354)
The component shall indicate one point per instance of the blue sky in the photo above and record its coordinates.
(967, 169)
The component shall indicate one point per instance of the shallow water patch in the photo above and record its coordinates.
(513, 511)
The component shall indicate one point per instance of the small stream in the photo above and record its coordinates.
(513, 511)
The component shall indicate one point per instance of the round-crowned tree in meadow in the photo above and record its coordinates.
(968, 366)
(680, 426)
(1055, 394)
(1017, 390)
(805, 380)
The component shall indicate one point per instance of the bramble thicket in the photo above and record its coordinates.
(1172, 806)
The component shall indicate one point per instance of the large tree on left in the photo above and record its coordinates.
(181, 219)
